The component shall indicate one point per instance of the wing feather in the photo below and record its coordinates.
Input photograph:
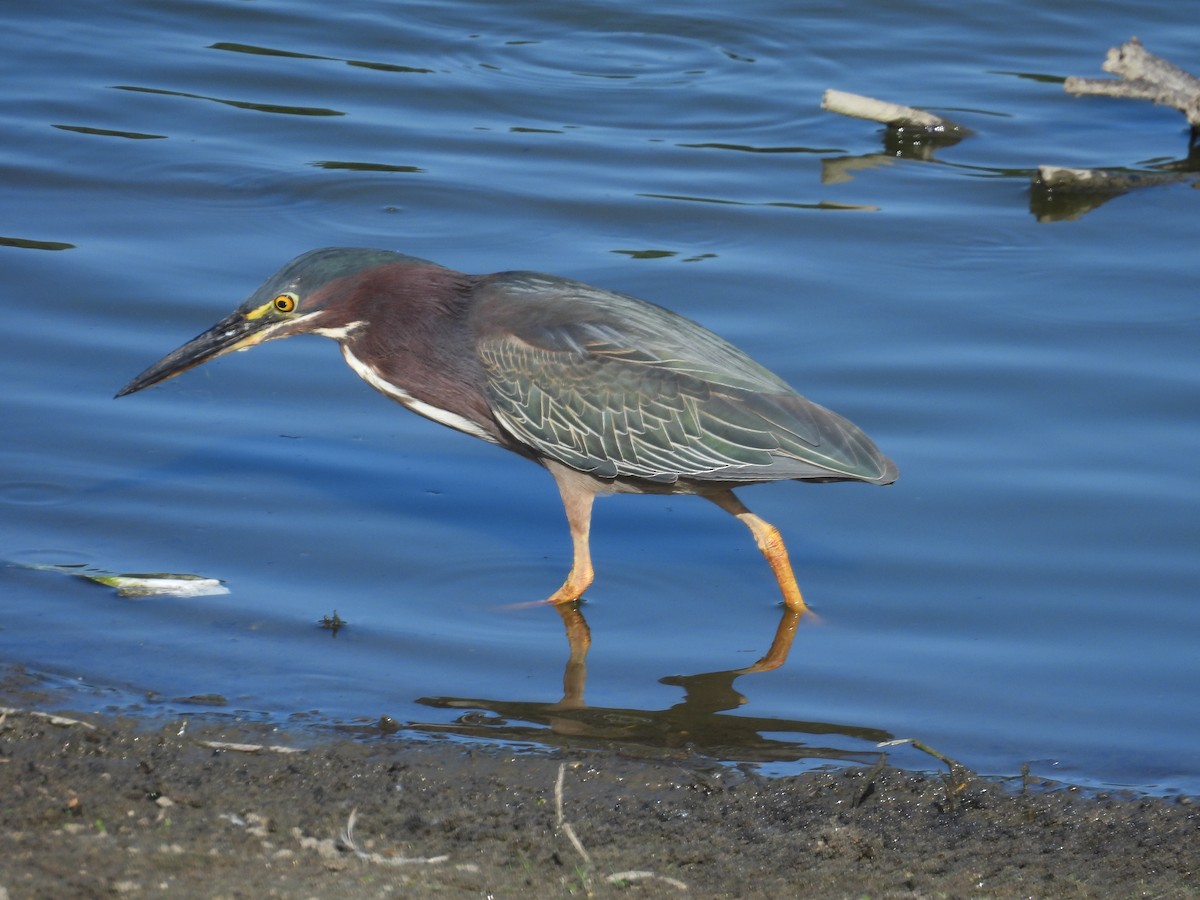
(614, 386)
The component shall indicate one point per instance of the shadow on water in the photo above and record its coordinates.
(700, 721)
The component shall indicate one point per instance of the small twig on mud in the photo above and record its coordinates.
(638, 875)
(347, 839)
(563, 825)
(49, 717)
(925, 748)
(955, 780)
(249, 748)
(347, 835)
(868, 782)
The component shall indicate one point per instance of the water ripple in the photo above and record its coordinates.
(32, 493)
(274, 108)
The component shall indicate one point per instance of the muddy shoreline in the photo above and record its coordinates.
(103, 805)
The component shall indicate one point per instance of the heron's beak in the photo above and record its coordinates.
(238, 331)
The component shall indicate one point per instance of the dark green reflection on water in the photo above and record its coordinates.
(239, 104)
(700, 722)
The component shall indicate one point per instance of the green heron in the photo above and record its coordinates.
(609, 393)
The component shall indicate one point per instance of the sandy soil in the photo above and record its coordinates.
(97, 806)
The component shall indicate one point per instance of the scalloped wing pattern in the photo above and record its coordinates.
(616, 387)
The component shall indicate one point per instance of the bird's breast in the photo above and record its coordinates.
(372, 376)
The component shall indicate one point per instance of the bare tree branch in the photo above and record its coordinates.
(1144, 76)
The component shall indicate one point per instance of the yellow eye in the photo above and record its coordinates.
(285, 303)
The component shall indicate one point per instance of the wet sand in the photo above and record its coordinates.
(97, 805)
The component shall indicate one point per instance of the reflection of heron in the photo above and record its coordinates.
(699, 721)
(610, 393)
(579, 639)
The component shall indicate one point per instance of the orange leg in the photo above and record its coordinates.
(577, 502)
(770, 543)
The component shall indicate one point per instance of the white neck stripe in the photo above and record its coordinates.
(442, 416)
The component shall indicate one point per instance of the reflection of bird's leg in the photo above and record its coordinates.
(769, 542)
(777, 655)
(577, 500)
(579, 639)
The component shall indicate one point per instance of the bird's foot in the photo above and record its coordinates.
(562, 597)
(578, 581)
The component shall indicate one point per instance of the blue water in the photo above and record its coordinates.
(1026, 593)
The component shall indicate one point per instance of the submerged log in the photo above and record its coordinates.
(1059, 194)
(1103, 180)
